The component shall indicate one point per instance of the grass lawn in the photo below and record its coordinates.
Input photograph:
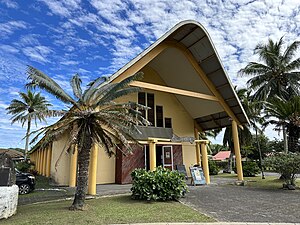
(43, 183)
(109, 210)
(270, 182)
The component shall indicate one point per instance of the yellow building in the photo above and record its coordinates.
(188, 91)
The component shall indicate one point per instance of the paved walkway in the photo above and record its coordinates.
(232, 203)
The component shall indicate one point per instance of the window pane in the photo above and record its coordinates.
(150, 103)
(168, 123)
(142, 101)
(159, 116)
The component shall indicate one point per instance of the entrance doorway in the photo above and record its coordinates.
(164, 157)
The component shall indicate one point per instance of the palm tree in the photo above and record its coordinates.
(287, 114)
(32, 106)
(278, 73)
(94, 118)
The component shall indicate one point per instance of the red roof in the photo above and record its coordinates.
(221, 155)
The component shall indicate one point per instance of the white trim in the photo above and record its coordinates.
(163, 156)
(145, 153)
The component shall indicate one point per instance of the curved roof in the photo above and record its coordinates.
(192, 36)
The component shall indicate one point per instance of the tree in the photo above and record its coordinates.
(251, 150)
(94, 118)
(31, 107)
(288, 165)
(277, 75)
(287, 114)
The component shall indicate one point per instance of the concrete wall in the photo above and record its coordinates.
(60, 162)
(189, 156)
(105, 168)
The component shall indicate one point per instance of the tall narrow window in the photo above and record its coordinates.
(168, 122)
(150, 104)
(142, 101)
(159, 116)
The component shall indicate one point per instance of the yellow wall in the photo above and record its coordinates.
(105, 168)
(61, 173)
(182, 123)
(189, 156)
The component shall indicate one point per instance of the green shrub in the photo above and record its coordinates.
(222, 164)
(23, 166)
(287, 164)
(250, 169)
(213, 168)
(161, 184)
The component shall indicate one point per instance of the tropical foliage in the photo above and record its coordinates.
(287, 114)
(287, 164)
(275, 82)
(31, 107)
(161, 184)
(250, 169)
(213, 167)
(95, 118)
(276, 74)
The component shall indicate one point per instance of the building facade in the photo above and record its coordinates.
(187, 90)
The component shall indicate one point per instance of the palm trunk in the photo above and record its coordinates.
(285, 144)
(229, 165)
(260, 155)
(83, 173)
(27, 139)
(294, 133)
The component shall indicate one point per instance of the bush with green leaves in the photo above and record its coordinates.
(222, 164)
(161, 184)
(213, 167)
(250, 169)
(23, 166)
(287, 164)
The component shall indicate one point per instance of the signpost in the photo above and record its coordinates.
(197, 176)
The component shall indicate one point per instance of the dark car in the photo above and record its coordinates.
(25, 181)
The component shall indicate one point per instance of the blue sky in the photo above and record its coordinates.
(96, 38)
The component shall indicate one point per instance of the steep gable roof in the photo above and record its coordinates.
(192, 39)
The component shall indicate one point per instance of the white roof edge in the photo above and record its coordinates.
(166, 35)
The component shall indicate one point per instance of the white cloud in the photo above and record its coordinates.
(10, 27)
(9, 49)
(69, 62)
(37, 53)
(29, 40)
(62, 8)
(10, 4)
(3, 105)
(12, 70)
